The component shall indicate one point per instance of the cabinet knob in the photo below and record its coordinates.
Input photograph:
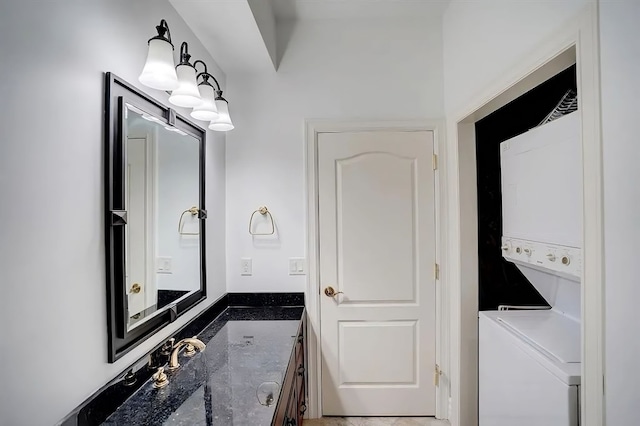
(301, 370)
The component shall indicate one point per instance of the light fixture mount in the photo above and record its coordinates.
(163, 29)
(184, 55)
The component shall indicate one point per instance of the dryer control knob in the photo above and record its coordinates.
(518, 250)
(505, 247)
(566, 260)
(551, 257)
(527, 251)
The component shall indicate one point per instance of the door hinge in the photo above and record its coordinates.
(435, 161)
(436, 271)
(436, 376)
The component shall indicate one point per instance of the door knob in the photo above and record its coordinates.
(330, 291)
(135, 288)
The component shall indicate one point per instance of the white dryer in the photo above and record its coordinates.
(529, 360)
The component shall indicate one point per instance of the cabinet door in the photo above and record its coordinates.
(301, 370)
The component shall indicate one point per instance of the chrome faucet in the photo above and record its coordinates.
(191, 345)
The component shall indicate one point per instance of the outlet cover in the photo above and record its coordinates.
(246, 267)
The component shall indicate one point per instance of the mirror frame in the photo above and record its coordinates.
(117, 94)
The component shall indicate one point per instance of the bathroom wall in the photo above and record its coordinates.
(53, 331)
(483, 40)
(620, 68)
(330, 69)
(178, 191)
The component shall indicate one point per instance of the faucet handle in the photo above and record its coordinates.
(160, 379)
(167, 347)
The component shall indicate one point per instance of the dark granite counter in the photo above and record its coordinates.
(246, 347)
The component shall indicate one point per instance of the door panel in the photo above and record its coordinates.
(377, 248)
(364, 197)
(359, 339)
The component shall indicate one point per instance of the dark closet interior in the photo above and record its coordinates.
(500, 282)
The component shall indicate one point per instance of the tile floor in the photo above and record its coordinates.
(375, 421)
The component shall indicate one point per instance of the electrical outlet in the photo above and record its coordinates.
(245, 266)
(297, 266)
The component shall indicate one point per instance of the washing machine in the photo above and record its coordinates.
(530, 357)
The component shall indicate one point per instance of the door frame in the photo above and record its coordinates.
(312, 291)
(580, 34)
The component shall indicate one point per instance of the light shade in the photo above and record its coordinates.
(187, 94)
(159, 72)
(223, 123)
(207, 110)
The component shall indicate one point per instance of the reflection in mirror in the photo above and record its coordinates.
(162, 237)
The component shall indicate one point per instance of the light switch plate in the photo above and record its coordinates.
(297, 266)
(164, 265)
(246, 267)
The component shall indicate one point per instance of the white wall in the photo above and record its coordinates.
(376, 70)
(53, 334)
(177, 191)
(483, 39)
(620, 71)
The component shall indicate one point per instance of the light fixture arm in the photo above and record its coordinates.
(205, 74)
(162, 29)
(184, 54)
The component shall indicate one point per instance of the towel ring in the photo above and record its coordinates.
(263, 210)
(194, 211)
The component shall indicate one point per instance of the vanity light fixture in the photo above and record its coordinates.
(205, 99)
(187, 94)
(223, 122)
(159, 72)
(207, 110)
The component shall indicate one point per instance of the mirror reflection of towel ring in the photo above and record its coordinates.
(266, 393)
(194, 211)
(264, 211)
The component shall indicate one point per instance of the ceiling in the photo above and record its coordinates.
(357, 9)
(241, 34)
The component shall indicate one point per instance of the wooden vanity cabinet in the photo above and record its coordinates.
(292, 402)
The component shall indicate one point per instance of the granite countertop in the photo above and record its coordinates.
(246, 347)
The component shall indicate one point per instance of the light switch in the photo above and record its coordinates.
(245, 266)
(164, 265)
(297, 266)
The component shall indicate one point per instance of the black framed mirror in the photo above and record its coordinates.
(155, 215)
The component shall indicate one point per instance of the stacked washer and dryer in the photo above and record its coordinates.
(529, 359)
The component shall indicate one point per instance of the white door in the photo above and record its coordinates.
(137, 255)
(377, 247)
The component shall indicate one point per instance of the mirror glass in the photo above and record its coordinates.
(162, 237)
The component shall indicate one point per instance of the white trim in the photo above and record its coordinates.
(313, 127)
(581, 33)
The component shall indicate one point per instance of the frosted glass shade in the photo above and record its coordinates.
(207, 110)
(223, 122)
(159, 72)
(187, 94)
